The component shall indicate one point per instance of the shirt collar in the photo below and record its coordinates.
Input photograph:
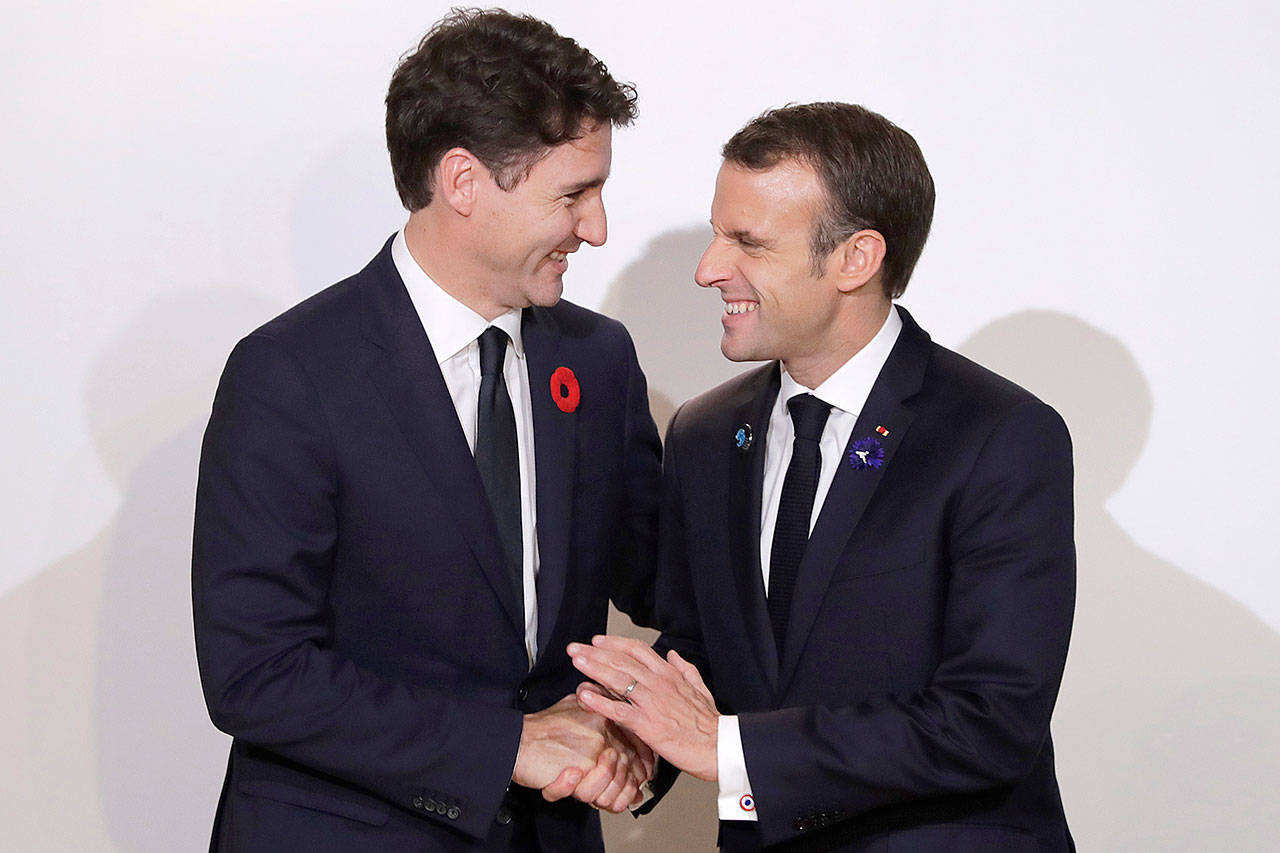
(848, 388)
(450, 325)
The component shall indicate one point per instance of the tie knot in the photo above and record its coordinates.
(493, 346)
(809, 414)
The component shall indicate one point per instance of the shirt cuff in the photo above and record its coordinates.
(735, 801)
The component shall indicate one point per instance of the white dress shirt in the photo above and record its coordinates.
(846, 391)
(454, 330)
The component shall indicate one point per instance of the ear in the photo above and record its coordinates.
(457, 177)
(861, 258)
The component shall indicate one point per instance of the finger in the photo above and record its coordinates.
(627, 754)
(691, 676)
(627, 659)
(598, 778)
(638, 650)
(642, 750)
(563, 785)
(620, 780)
(621, 713)
(689, 671)
(626, 796)
(613, 672)
(629, 796)
(591, 687)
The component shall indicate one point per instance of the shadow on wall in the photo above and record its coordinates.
(675, 323)
(121, 751)
(159, 761)
(1166, 727)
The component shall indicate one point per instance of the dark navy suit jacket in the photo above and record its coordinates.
(356, 631)
(931, 615)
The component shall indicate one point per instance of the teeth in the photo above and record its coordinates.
(739, 307)
(558, 256)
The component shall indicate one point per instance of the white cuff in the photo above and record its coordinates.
(735, 801)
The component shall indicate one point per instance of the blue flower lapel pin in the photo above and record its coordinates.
(742, 438)
(867, 453)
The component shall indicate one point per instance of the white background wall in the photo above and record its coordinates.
(176, 173)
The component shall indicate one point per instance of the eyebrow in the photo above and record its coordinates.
(741, 235)
(584, 185)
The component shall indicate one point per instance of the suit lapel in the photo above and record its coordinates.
(745, 485)
(405, 371)
(555, 463)
(852, 488)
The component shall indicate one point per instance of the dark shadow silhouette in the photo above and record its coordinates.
(115, 746)
(158, 761)
(1166, 728)
(674, 322)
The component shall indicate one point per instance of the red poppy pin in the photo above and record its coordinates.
(565, 390)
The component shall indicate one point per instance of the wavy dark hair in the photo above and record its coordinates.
(872, 171)
(506, 87)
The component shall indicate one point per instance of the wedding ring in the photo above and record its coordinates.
(626, 694)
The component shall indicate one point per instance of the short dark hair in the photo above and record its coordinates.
(872, 171)
(506, 87)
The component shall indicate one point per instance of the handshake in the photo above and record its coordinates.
(599, 745)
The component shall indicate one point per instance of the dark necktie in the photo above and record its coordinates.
(791, 533)
(497, 455)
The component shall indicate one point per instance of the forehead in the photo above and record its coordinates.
(778, 199)
(582, 161)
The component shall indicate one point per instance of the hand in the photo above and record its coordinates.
(566, 750)
(669, 707)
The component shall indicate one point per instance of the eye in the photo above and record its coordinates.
(570, 198)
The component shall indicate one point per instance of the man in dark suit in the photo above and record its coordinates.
(419, 485)
(866, 544)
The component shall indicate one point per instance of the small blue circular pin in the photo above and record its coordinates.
(742, 438)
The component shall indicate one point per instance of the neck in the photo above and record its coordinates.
(846, 339)
(438, 246)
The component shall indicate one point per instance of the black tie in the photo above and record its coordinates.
(497, 455)
(791, 534)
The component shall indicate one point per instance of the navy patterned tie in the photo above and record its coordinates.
(497, 454)
(791, 533)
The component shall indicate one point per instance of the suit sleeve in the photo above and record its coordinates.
(265, 535)
(982, 719)
(632, 583)
(675, 607)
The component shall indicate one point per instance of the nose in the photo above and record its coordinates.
(712, 268)
(592, 226)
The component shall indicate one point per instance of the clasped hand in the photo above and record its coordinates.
(567, 750)
(662, 702)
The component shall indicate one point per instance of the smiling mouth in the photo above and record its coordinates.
(740, 307)
(558, 256)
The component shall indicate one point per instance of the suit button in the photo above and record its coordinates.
(430, 805)
(454, 813)
(504, 815)
(522, 694)
(802, 824)
(417, 802)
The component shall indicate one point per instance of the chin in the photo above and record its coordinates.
(735, 352)
(547, 296)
